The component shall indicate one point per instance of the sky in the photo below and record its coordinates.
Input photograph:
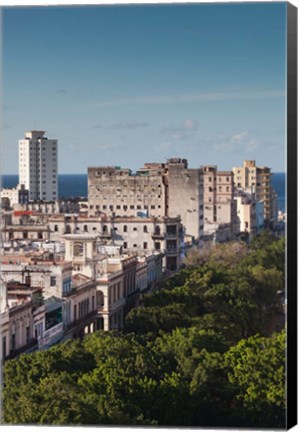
(127, 84)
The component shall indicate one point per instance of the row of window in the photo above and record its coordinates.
(82, 309)
(157, 245)
(219, 178)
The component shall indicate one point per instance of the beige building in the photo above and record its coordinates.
(246, 212)
(258, 179)
(219, 204)
(117, 191)
(141, 235)
(168, 189)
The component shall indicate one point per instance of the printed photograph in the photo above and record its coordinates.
(143, 215)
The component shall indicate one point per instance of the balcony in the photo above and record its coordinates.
(171, 235)
(30, 346)
(86, 319)
(158, 236)
(171, 251)
(105, 235)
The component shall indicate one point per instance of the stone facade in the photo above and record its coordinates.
(157, 190)
(257, 179)
(219, 204)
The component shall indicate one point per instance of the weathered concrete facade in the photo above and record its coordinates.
(258, 180)
(219, 205)
(185, 196)
(116, 191)
(157, 190)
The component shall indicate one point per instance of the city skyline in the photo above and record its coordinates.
(123, 84)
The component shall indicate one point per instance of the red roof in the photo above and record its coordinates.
(22, 212)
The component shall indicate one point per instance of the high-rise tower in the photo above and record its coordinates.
(38, 166)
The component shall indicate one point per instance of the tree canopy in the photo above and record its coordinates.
(197, 352)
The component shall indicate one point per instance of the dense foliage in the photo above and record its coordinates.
(199, 351)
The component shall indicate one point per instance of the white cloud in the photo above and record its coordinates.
(242, 141)
(130, 125)
(190, 124)
(191, 97)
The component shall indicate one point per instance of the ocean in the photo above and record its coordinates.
(76, 185)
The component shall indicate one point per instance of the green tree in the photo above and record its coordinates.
(256, 368)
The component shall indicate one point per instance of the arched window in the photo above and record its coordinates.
(85, 228)
(157, 230)
(67, 229)
(145, 229)
(78, 249)
(125, 228)
(56, 228)
(105, 229)
(99, 299)
(39, 235)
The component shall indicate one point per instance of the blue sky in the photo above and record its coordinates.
(124, 85)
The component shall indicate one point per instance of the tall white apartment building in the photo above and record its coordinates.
(38, 166)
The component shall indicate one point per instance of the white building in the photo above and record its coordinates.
(38, 166)
(15, 196)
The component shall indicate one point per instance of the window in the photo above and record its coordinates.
(78, 249)
(135, 229)
(4, 347)
(145, 245)
(157, 245)
(157, 230)
(13, 342)
(125, 245)
(27, 334)
(132, 207)
(145, 229)
(53, 281)
(125, 228)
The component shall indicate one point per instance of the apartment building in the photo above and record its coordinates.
(219, 206)
(141, 235)
(38, 164)
(246, 212)
(14, 196)
(120, 192)
(168, 189)
(257, 179)
(118, 277)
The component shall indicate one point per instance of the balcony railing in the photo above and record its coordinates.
(158, 236)
(29, 346)
(171, 251)
(171, 235)
(81, 320)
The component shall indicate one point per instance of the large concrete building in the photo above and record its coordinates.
(168, 189)
(38, 166)
(258, 180)
(220, 212)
